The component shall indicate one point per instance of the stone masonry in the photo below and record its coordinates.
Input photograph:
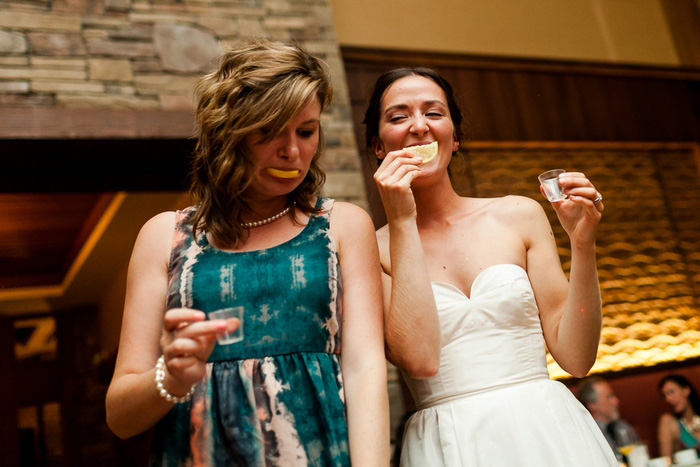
(146, 55)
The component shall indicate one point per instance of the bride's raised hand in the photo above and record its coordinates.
(393, 178)
(187, 340)
(581, 211)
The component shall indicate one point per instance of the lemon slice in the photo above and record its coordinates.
(427, 152)
(282, 173)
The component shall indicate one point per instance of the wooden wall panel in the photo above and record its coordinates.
(516, 100)
(684, 16)
(527, 100)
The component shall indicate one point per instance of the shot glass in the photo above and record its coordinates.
(227, 313)
(550, 182)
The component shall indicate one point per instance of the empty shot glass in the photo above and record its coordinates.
(550, 182)
(228, 313)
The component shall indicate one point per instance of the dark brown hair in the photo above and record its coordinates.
(683, 382)
(386, 79)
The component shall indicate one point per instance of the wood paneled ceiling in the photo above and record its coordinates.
(41, 234)
(54, 192)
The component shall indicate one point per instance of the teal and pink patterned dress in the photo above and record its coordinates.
(275, 398)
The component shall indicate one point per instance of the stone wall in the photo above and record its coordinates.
(146, 55)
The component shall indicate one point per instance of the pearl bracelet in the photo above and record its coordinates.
(160, 376)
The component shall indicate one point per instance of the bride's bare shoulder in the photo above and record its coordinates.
(510, 205)
(513, 205)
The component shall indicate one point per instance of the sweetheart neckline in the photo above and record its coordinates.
(471, 288)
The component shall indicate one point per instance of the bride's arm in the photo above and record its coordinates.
(570, 311)
(412, 329)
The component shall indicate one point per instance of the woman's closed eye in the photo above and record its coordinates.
(306, 133)
(396, 118)
(434, 114)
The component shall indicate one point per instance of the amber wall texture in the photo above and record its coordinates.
(648, 242)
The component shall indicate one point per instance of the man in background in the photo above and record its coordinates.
(596, 394)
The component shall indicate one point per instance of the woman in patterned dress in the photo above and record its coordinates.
(307, 384)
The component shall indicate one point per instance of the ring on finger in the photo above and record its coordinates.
(598, 199)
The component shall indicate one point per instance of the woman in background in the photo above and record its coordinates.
(679, 429)
(307, 384)
(474, 289)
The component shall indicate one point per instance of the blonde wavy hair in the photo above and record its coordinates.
(259, 86)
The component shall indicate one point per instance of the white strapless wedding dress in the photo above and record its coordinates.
(492, 403)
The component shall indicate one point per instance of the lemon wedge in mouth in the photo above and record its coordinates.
(427, 152)
(283, 173)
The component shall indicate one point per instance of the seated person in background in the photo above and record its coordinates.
(596, 394)
(680, 429)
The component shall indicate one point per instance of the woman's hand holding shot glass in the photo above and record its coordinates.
(187, 340)
(579, 206)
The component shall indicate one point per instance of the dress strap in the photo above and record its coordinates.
(686, 437)
(326, 206)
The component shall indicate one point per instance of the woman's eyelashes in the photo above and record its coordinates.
(306, 133)
(265, 135)
(433, 114)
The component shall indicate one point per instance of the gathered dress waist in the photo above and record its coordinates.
(447, 399)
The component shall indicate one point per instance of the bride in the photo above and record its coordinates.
(474, 289)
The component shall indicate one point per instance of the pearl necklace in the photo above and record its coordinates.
(250, 225)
